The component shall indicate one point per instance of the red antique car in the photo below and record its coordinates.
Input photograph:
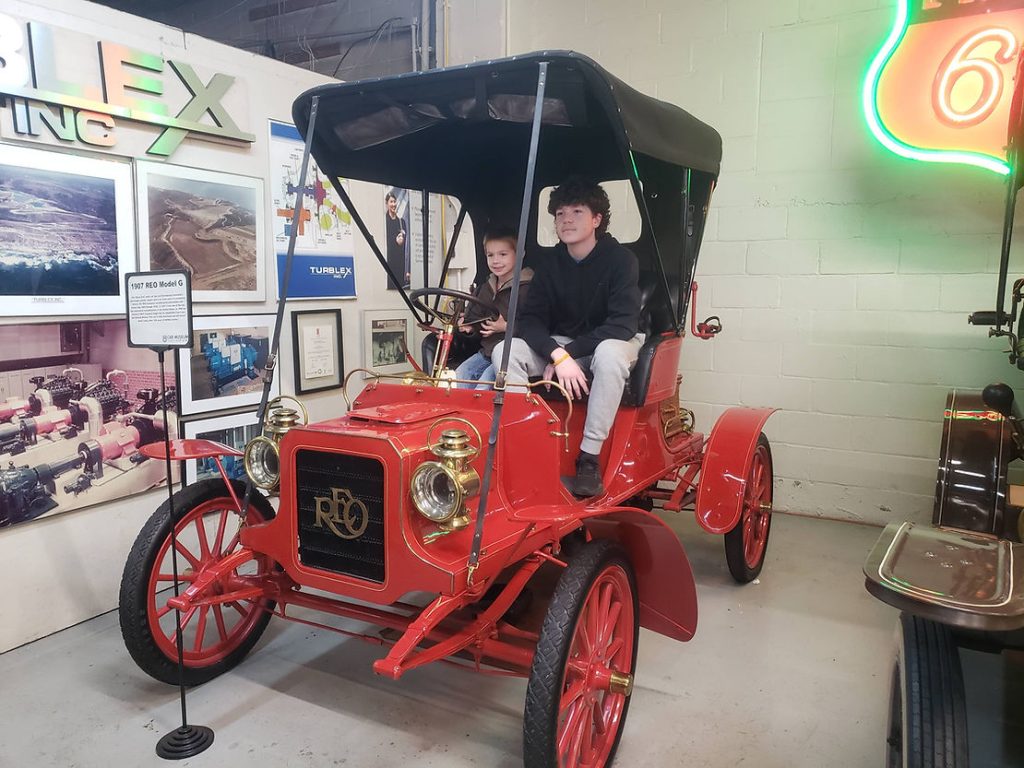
(418, 487)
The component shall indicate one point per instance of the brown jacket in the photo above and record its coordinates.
(499, 296)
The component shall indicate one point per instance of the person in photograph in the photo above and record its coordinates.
(395, 236)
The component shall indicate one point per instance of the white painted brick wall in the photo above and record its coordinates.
(843, 274)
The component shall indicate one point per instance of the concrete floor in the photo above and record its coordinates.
(789, 672)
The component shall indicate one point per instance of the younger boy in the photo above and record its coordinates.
(500, 249)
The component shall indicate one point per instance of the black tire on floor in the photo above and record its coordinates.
(736, 540)
(134, 605)
(927, 708)
(548, 675)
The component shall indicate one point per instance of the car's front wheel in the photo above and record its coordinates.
(582, 676)
(216, 634)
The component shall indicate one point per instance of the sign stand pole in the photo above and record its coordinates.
(159, 309)
(187, 740)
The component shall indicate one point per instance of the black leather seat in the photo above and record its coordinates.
(655, 320)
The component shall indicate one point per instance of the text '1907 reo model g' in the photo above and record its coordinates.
(423, 487)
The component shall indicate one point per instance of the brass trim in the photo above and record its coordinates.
(620, 682)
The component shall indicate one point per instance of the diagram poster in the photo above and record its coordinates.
(323, 266)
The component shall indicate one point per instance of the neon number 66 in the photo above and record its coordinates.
(958, 63)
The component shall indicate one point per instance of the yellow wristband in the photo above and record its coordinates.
(562, 359)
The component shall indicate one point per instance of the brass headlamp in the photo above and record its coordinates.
(263, 453)
(439, 489)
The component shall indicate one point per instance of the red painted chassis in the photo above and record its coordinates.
(530, 514)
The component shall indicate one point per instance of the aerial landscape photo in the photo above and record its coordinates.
(58, 234)
(207, 228)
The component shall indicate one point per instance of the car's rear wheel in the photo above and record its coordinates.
(582, 676)
(747, 543)
(216, 636)
(927, 707)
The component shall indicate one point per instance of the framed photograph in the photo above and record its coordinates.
(225, 367)
(67, 233)
(233, 430)
(386, 336)
(208, 223)
(316, 345)
(50, 364)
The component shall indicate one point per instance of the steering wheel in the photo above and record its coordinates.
(461, 300)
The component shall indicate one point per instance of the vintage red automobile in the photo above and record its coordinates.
(419, 487)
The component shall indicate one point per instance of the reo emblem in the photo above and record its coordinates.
(345, 516)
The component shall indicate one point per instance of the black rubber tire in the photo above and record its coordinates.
(544, 689)
(734, 556)
(133, 598)
(927, 706)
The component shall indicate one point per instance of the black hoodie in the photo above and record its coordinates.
(590, 300)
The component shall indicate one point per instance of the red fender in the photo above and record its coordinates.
(664, 580)
(726, 466)
(192, 448)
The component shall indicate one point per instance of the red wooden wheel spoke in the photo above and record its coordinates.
(218, 618)
(241, 611)
(569, 729)
(231, 546)
(585, 646)
(614, 649)
(184, 623)
(611, 622)
(576, 744)
(204, 545)
(587, 726)
(573, 693)
(600, 723)
(170, 577)
(163, 611)
(201, 628)
(218, 540)
(184, 552)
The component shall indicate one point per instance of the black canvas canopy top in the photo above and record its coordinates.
(465, 131)
(460, 130)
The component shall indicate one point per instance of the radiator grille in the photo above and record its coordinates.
(326, 475)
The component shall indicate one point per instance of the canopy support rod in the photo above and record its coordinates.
(510, 331)
(451, 251)
(293, 233)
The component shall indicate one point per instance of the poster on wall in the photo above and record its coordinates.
(226, 365)
(80, 405)
(323, 265)
(208, 223)
(234, 431)
(67, 233)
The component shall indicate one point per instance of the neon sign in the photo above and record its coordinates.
(939, 89)
(131, 86)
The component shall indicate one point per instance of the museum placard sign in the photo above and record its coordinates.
(65, 86)
(940, 86)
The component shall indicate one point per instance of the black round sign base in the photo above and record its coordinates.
(183, 742)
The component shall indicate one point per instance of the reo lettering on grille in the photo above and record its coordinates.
(344, 511)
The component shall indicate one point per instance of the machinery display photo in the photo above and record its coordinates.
(438, 514)
(958, 580)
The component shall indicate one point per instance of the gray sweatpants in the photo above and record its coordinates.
(609, 366)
